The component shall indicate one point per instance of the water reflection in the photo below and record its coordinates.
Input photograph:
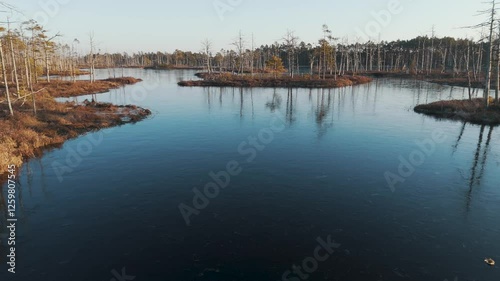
(290, 106)
(322, 102)
(217, 94)
(329, 105)
(275, 102)
(479, 160)
(455, 146)
(323, 107)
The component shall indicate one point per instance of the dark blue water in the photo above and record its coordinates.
(317, 171)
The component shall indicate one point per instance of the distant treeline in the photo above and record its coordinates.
(421, 55)
(28, 51)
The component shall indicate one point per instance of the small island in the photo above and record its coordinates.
(249, 81)
(472, 111)
(173, 67)
(273, 75)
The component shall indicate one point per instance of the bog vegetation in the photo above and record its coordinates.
(30, 118)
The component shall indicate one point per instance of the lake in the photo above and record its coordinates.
(403, 196)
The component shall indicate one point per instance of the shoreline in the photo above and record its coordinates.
(245, 81)
(446, 79)
(67, 73)
(172, 67)
(24, 136)
(471, 111)
(67, 89)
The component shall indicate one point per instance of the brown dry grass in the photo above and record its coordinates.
(68, 73)
(472, 111)
(60, 88)
(172, 67)
(247, 81)
(23, 135)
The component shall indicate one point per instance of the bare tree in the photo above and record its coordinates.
(207, 51)
(48, 49)
(291, 45)
(13, 57)
(328, 52)
(432, 49)
(4, 73)
(91, 57)
(324, 45)
(73, 58)
(239, 43)
(489, 56)
(468, 70)
(252, 57)
(497, 86)
(490, 24)
(333, 58)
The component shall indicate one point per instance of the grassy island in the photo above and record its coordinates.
(248, 81)
(173, 67)
(472, 111)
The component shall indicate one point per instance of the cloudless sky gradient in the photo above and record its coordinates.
(154, 25)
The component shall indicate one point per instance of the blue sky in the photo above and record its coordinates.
(152, 25)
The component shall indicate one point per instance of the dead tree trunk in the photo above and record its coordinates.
(497, 85)
(489, 57)
(4, 73)
(26, 69)
(468, 70)
(14, 66)
(497, 82)
(47, 66)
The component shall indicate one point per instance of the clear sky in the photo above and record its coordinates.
(163, 25)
